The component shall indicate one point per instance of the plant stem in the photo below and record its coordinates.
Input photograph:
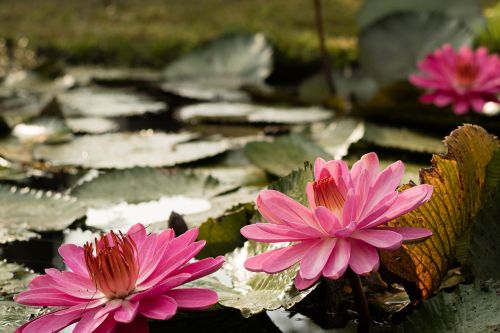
(361, 302)
(327, 69)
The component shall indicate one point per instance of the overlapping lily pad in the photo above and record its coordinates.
(284, 154)
(24, 212)
(472, 308)
(238, 112)
(251, 292)
(93, 102)
(390, 48)
(469, 11)
(127, 150)
(240, 58)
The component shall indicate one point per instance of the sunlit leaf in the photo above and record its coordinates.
(126, 150)
(336, 137)
(468, 309)
(92, 125)
(13, 315)
(93, 102)
(13, 279)
(390, 48)
(457, 178)
(145, 184)
(284, 154)
(25, 211)
(242, 113)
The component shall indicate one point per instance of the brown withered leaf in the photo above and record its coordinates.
(457, 178)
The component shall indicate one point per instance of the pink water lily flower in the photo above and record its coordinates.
(464, 78)
(344, 224)
(118, 283)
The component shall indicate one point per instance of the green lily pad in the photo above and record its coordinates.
(127, 150)
(238, 112)
(350, 84)
(484, 247)
(145, 184)
(238, 58)
(402, 138)
(468, 309)
(284, 154)
(492, 178)
(390, 48)
(222, 234)
(207, 90)
(24, 212)
(93, 102)
(468, 11)
(251, 292)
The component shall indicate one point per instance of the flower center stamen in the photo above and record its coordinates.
(466, 72)
(327, 194)
(114, 268)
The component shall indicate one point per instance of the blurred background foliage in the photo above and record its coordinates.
(153, 33)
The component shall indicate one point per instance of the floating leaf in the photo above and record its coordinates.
(92, 102)
(223, 233)
(337, 137)
(251, 292)
(484, 247)
(84, 75)
(401, 138)
(145, 184)
(24, 210)
(284, 154)
(238, 112)
(390, 48)
(207, 90)
(468, 309)
(14, 278)
(92, 125)
(13, 315)
(457, 178)
(127, 150)
(238, 58)
(43, 129)
(349, 84)
(468, 11)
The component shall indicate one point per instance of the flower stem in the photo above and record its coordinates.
(324, 54)
(361, 302)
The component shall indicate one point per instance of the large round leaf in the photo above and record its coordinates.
(240, 58)
(469, 11)
(23, 210)
(390, 48)
(126, 150)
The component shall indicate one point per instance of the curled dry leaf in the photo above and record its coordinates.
(457, 178)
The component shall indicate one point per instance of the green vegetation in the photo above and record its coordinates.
(154, 32)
